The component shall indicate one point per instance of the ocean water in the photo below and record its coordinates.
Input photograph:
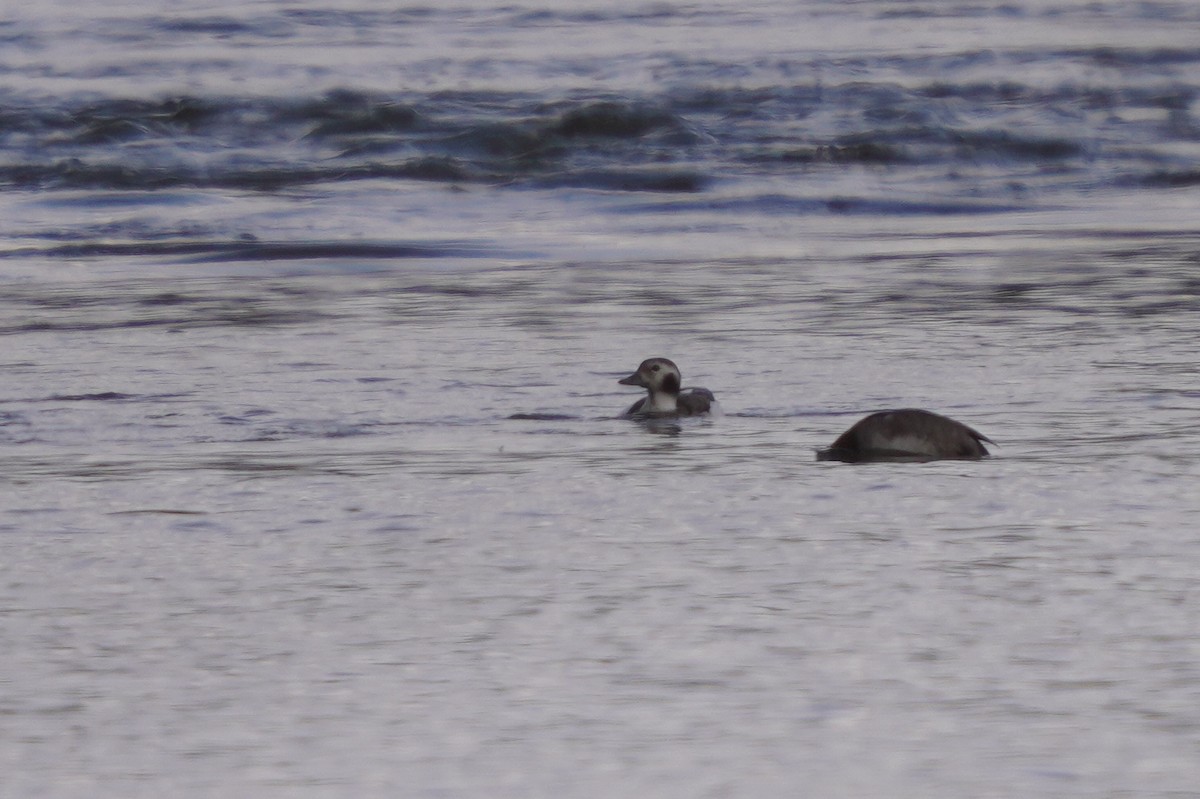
(312, 317)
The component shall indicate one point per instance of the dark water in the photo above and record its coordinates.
(312, 320)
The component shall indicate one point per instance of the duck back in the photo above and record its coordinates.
(906, 434)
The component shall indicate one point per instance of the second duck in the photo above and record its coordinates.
(906, 435)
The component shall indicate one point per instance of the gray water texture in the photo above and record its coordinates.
(312, 482)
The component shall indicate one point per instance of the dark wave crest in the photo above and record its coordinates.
(680, 142)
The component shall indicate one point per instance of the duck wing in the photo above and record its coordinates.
(695, 401)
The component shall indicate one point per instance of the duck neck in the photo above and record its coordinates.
(662, 402)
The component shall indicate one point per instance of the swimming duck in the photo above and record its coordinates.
(907, 434)
(661, 378)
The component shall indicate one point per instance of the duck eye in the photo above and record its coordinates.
(655, 368)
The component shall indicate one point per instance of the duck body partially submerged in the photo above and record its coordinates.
(908, 434)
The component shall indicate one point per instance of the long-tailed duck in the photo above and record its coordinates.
(661, 378)
(907, 434)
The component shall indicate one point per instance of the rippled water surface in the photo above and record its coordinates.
(312, 319)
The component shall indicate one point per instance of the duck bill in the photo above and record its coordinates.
(633, 380)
